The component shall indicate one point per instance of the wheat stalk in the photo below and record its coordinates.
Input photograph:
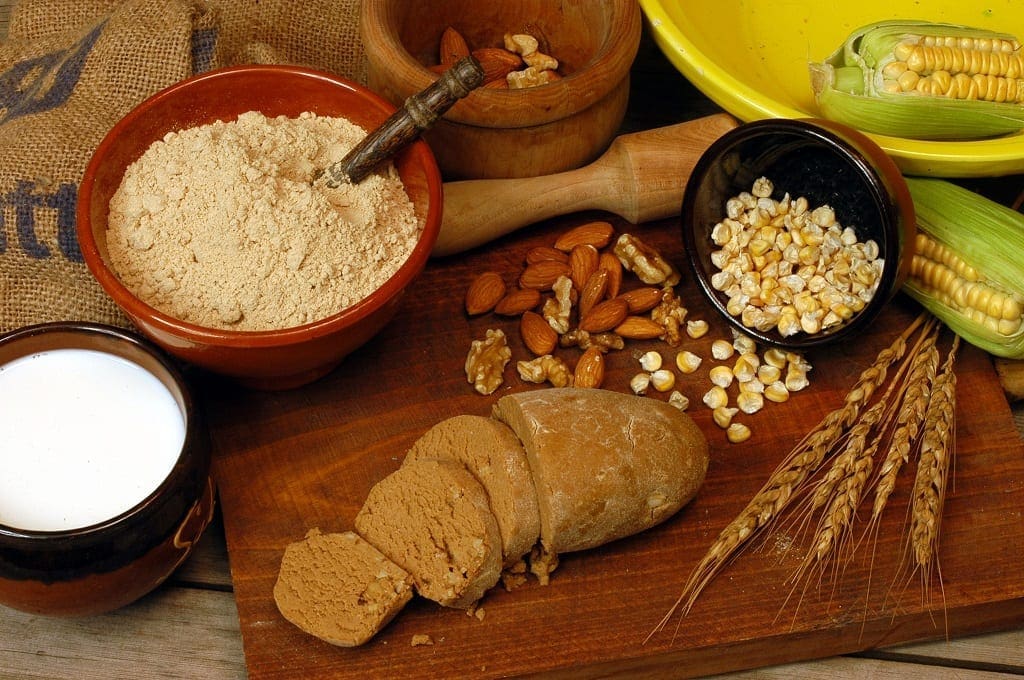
(909, 419)
(790, 477)
(937, 448)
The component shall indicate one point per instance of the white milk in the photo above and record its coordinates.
(85, 436)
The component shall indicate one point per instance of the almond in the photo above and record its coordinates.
(542, 275)
(642, 300)
(484, 293)
(594, 290)
(543, 253)
(517, 301)
(611, 264)
(497, 62)
(582, 263)
(639, 327)
(589, 371)
(538, 336)
(453, 47)
(605, 316)
(597, 234)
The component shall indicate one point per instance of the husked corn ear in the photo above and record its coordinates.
(924, 80)
(967, 268)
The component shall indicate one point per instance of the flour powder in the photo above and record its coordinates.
(220, 225)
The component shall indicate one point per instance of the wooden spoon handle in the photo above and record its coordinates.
(640, 178)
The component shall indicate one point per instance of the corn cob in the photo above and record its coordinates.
(924, 80)
(967, 267)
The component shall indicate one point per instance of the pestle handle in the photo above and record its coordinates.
(419, 112)
(640, 178)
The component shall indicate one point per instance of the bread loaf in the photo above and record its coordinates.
(339, 588)
(605, 464)
(493, 453)
(433, 519)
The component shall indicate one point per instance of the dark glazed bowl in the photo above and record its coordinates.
(825, 162)
(106, 565)
(277, 359)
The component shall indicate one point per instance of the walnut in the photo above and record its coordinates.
(670, 315)
(485, 364)
(531, 76)
(545, 368)
(644, 261)
(584, 340)
(557, 310)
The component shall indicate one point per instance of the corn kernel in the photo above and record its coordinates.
(777, 392)
(722, 415)
(775, 357)
(722, 350)
(639, 383)
(715, 397)
(697, 328)
(744, 369)
(750, 402)
(744, 344)
(687, 361)
(679, 400)
(767, 373)
(721, 376)
(663, 380)
(737, 433)
(650, 361)
(796, 379)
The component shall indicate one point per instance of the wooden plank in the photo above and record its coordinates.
(876, 669)
(293, 460)
(172, 633)
(995, 650)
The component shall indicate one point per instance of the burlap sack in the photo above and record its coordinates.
(69, 70)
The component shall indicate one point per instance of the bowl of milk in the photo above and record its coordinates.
(104, 471)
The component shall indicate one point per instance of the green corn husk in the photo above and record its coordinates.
(987, 236)
(847, 88)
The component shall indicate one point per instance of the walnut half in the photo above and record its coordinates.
(486, 361)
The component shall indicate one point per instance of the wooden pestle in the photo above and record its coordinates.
(640, 178)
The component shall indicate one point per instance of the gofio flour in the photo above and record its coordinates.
(220, 225)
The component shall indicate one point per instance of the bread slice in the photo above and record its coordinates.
(605, 464)
(433, 518)
(495, 456)
(339, 588)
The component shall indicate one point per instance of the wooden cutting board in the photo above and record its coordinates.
(289, 461)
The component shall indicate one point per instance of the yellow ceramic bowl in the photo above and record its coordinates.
(750, 57)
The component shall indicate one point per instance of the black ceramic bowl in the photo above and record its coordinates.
(827, 163)
(100, 565)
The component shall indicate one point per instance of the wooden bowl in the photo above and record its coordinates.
(271, 359)
(525, 132)
(107, 504)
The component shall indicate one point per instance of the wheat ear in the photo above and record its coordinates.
(937, 448)
(789, 477)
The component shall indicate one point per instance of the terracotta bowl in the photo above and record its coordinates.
(62, 568)
(277, 359)
(825, 162)
(526, 132)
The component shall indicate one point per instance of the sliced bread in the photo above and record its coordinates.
(495, 456)
(339, 588)
(433, 518)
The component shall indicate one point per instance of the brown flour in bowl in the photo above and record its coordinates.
(219, 225)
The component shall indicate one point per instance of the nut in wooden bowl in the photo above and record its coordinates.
(565, 119)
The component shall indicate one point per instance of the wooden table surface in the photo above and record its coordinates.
(189, 627)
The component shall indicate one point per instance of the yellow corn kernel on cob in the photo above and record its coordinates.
(968, 266)
(924, 80)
